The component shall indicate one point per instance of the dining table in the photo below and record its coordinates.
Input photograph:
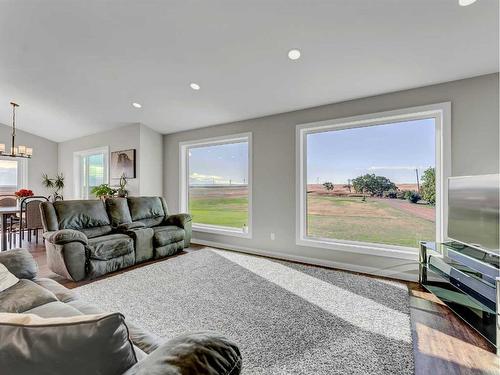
(5, 213)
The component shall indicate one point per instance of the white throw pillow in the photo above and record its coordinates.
(6, 278)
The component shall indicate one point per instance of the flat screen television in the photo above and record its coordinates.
(473, 211)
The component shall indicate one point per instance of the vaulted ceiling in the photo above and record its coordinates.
(75, 67)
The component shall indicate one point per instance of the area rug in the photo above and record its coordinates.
(287, 318)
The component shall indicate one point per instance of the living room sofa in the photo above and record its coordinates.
(90, 238)
(193, 353)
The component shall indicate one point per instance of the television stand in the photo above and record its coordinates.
(467, 280)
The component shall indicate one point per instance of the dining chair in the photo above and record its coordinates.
(30, 219)
(8, 200)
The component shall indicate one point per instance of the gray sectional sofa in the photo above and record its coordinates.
(90, 238)
(45, 349)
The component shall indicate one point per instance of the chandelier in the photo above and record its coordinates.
(15, 151)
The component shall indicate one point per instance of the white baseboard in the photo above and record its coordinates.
(390, 273)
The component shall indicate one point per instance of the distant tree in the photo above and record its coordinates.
(348, 186)
(428, 187)
(328, 186)
(373, 185)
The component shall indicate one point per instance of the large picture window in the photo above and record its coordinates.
(372, 182)
(216, 184)
(13, 174)
(91, 170)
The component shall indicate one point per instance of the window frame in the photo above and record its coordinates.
(77, 172)
(184, 181)
(441, 112)
(22, 175)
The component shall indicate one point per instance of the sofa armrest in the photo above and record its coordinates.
(183, 221)
(179, 220)
(198, 353)
(20, 263)
(64, 236)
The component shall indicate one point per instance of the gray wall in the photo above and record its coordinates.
(44, 158)
(475, 150)
(123, 138)
(149, 162)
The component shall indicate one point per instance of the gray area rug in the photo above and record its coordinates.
(287, 318)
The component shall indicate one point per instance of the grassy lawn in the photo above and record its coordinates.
(371, 221)
(343, 218)
(228, 211)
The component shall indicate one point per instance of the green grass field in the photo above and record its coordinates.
(342, 218)
(229, 211)
(371, 221)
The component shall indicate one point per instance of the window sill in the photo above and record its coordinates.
(225, 231)
(365, 248)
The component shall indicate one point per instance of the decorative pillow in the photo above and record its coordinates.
(83, 344)
(20, 263)
(6, 278)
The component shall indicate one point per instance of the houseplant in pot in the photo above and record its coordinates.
(103, 191)
(55, 184)
(121, 191)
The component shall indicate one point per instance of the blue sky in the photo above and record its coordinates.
(391, 150)
(219, 164)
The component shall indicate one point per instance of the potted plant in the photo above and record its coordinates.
(103, 191)
(55, 184)
(121, 191)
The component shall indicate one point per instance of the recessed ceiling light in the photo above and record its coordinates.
(136, 105)
(294, 54)
(194, 86)
(464, 3)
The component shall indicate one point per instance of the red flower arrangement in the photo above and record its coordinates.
(22, 193)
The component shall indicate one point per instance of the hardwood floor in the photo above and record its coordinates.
(443, 344)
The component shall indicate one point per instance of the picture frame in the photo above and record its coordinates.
(123, 163)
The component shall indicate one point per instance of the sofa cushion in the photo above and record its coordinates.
(118, 211)
(142, 338)
(205, 353)
(110, 246)
(55, 309)
(146, 208)
(165, 235)
(62, 294)
(20, 263)
(97, 231)
(24, 295)
(89, 216)
(83, 344)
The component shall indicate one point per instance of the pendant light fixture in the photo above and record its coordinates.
(20, 151)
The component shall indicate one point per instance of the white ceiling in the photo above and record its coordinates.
(76, 66)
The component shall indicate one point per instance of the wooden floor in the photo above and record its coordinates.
(443, 344)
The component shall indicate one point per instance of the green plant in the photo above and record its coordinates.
(392, 193)
(413, 196)
(429, 185)
(102, 190)
(374, 185)
(55, 184)
(121, 191)
(328, 186)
